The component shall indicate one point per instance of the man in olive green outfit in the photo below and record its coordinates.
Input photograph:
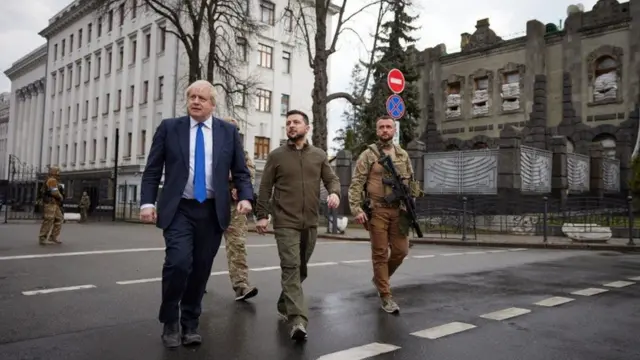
(292, 174)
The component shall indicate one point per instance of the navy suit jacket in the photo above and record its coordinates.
(170, 150)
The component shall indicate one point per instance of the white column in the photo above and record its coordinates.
(34, 118)
(135, 123)
(37, 134)
(153, 89)
(24, 124)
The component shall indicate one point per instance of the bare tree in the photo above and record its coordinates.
(211, 32)
(311, 25)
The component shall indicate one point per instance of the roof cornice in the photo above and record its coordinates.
(27, 62)
(67, 16)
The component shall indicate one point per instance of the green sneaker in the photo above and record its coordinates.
(389, 305)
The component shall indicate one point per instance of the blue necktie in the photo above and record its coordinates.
(199, 179)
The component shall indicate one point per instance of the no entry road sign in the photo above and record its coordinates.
(395, 81)
(395, 106)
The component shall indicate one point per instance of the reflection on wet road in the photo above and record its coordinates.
(456, 303)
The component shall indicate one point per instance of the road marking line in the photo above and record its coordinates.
(139, 281)
(619, 284)
(322, 264)
(475, 252)
(496, 251)
(355, 261)
(78, 253)
(589, 292)
(266, 268)
(518, 249)
(54, 290)
(121, 251)
(637, 278)
(443, 330)
(360, 352)
(219, 273)
(505, 314)
(422, 256)
(452, 254)
(554, 301)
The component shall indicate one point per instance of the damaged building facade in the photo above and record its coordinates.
(580, 83)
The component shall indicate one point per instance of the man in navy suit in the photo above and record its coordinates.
(197, 152)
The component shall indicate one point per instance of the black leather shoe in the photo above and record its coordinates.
(191, 337)
(171, 335)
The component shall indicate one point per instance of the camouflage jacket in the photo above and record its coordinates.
(50, 192)
(84, 201)
(367, 158)
(252, 169)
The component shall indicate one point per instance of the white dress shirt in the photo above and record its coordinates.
(208, 157)
(187, 193)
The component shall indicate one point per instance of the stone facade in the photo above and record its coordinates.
(581, 83)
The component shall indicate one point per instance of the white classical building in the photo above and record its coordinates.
(5, 105)
(26, 113)
(123, 71)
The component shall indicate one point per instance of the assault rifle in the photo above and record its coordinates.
(401, 192)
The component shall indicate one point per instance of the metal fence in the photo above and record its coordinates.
(21, 201)
(467, 218)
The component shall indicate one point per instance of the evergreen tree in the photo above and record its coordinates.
(350, 136)
(393, 35)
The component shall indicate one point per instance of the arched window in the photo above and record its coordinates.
(608, 143)
(605, 84)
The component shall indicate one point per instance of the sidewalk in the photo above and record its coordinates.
(494, 240)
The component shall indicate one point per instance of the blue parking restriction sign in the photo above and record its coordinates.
(395, 106)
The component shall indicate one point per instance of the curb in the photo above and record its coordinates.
(529, 245)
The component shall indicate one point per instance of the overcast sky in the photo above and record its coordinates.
(440, 22)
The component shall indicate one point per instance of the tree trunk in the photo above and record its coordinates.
(320, 81)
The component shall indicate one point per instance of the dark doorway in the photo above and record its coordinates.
(93, 197)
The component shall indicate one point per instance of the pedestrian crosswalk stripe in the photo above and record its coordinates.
(505, 314)
(619, 284)
(443, 330)
(637, 278)
(360, 352)
(554, 301)
(589, 292)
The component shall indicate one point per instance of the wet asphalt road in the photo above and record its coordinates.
(111, 295)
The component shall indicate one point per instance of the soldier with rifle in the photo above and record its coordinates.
(381, 198)
(52, 193)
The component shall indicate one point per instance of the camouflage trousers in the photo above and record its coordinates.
(52, 223)
(235, 238)
(83, 214)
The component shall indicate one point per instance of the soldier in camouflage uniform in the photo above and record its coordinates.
(52, 203)
(387, 223)
(235, 241)
(85, 202)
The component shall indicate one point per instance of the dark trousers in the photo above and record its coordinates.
(192, 241)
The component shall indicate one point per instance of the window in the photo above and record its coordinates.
(118, 101)
(110, 21)
(107, 103)
(121, 57)
(145, 91)
(95, 149)
(482, 83)
(241, 97)
(265, 56)
(55, 52)
(288, 20)
(267, 12)
(605, 85)
(143, 139)
(63, 46)
(261, 147)
(99, 26)
(71, 42)
(163, 38)
(129, 143)
(80, 37)
(121, 12)
(147, 45)
(109, 62)
(105, 143)
(512, 78)
(89, 33)
(242, 48)
(264, 100)
(132, 90)
(284, 104)
(160, 87)
(134, 45)
(134, 9)
(286, 62)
